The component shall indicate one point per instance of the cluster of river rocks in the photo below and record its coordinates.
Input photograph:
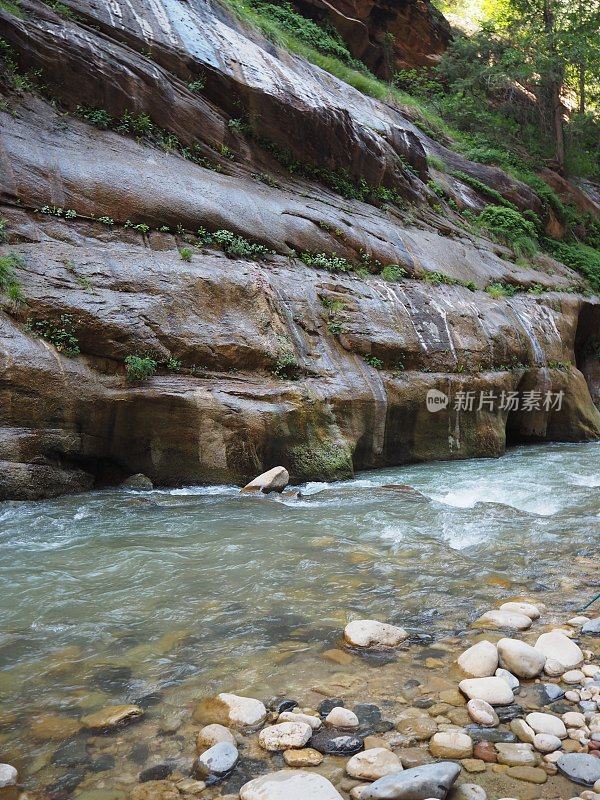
(482, 725)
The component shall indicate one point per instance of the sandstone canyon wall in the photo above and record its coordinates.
(273, 360)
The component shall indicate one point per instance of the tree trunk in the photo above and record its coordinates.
(555, 85)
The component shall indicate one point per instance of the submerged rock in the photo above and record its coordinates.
(304, 757)
(591, 628)
(273, 480)
(112, 717)
(288, 784)
(371, 633)
(336, 743)
(417, 783)
(451, 744)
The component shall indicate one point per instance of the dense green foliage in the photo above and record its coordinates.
(139, 368)
(59, 332)
(510, 227)
(578, 256)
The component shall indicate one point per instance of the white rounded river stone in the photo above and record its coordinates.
(373, 764)
(480, 660)
(340, 717)
(573, 676)
(559, 647)
(218, 759)
(8, 775)
(284, 736)
(308, 719)
(546, 742)
(546, 723)
(451, 744)
(503, 619)
(494, 691)
(520, 658)
(371, 633)
(210, 735)
(528, 609)
(289, 784)
(482, 713)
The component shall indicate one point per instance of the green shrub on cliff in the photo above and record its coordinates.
(59, 332)
(510, 227)
(139, 368)
(9, 284)
(580, 257)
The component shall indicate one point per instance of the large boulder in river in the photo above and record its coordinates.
(520, 658)
(503, 619)
(273, 480)
(480, 660)
(231, 710)
(557, 646)
(289, 784)
(418, 783)
(371, 633)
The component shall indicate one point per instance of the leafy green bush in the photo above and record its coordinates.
(436, 163)
(498, 289)
(511, 228)
(139, 368)
(173, 364)
(322, 38)
(236, 246)
(185, 253)
(393, 273)
(374, 362)
(332, 262)
(580, 257)
(8, 280)
(286, 366)
(60, 333)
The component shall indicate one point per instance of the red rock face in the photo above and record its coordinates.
(387, 34)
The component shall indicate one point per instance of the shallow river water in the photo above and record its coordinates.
(161, 596)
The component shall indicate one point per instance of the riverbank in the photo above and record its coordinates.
(159, 600)
(398, 706)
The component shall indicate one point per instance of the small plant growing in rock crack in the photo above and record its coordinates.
(374, 362)
(173, 364)
(332, 262)
(233, 245)
(139, 368)
(238, 126)
(335, 328)
(285, 363)
(498, 289)
(334, 305)
(8, 280)
(186, 253)
(393, 273)
(267, 179)
(60, 333)
(106, 220)
(3, 229)
(197, 85)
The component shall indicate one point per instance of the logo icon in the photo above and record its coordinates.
(436, 400)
